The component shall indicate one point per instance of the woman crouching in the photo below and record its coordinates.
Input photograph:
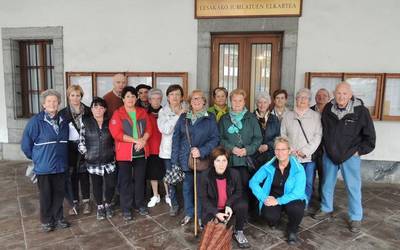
(221, 194)
(283, 189)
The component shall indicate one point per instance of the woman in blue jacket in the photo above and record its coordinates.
(45, 141)
(283, 189)
(204, 136)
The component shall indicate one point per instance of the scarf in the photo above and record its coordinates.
(53, 121)
(262, 119)
(154, 111)
(145, 105)
(77, 115)
(341, 112)
(194, 116)
(219, 112)
(236, 119)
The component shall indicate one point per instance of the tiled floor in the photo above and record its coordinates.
(20, 227)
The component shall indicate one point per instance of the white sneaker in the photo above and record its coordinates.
(168, 200)
(153, 201)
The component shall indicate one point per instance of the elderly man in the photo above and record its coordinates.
(113, 98)
(143, 94)
(322, 97)
(348, 133)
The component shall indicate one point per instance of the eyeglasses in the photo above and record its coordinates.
(281, 149)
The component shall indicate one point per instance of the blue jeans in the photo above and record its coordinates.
(188, 194)
(351, 173)
(171, 188)
(309, 168)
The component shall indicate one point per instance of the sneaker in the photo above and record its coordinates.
(241, 239)
(86, 207)
(292, 239)
(173, 211)
(185, 220)
(143, 211)
(63, 224)
(109, 211)
(321, 215)
(153, 201)
(47, 227)
(355, 226)
(101, 213)
(168, 200)
(127, 216)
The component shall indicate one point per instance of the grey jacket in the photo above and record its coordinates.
(311, 122)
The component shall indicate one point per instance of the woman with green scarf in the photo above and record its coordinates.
(241, 134)
(220, 108)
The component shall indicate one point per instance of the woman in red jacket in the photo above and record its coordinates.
(130, 127)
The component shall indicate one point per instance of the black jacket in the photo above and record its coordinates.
(99, 142)
(353, 133)
(209, 192)
(74, 157)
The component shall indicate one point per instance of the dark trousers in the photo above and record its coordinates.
(51, 196)
(245, 177)
(82, 179)
(319, 168)
(238, 218)
(97, 183)
(132, 180)
(293, 209)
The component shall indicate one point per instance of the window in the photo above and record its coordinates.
(35, 75)
(99, 83)
(366, 86)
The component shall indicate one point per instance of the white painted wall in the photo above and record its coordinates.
(103, 35)
(353, 36)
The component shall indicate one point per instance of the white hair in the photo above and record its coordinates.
(263, 95)
(304, 91)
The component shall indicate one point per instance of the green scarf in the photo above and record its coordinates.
(219, 112)
(194, 116)
(236, 119)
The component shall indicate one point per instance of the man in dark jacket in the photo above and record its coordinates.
(348, 133)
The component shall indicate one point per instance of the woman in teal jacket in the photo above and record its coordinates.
(283, 189)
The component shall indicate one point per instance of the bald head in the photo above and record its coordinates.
(119, 82)
(343, 94)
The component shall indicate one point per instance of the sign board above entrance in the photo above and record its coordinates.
(247, 8)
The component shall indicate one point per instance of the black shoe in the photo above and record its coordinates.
(321, 215)
(143, 211)
(173, 211)
(109, 211)
(127, 216)
(101, 213)
(48, 227)
(63, 224)
(115, 201)
(241, 239)
(292, 239)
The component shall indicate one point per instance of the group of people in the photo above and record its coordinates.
(260, 162)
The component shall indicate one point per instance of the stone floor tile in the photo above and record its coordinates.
(388, 230)
(103, 240)
(9, 208)
(89, 225)
(367, 242)
(71, 244)
(38, 238)
(12, 241)
(160, 208)
(165, 240)
(10, 225)
(258, 239)
(140, 229)
(117, 220)
(169, 222)
(31, 223)
(29, 205)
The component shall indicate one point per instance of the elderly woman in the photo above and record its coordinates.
(270, 129)
(303, 128)
(167, 118)
(45, 141)
(155, 167)
(241, 135)
(73, 113)
(221, 194)
(97, 144)
(130, 127)
(283, 186)
(220, 107)
(195, 135)
(280, 100)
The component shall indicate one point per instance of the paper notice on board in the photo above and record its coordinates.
(392, 97)
(365, 89)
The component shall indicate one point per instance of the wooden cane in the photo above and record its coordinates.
(195, 197)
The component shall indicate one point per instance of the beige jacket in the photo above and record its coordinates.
(311, 122)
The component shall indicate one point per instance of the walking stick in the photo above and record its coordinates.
(195, 197)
